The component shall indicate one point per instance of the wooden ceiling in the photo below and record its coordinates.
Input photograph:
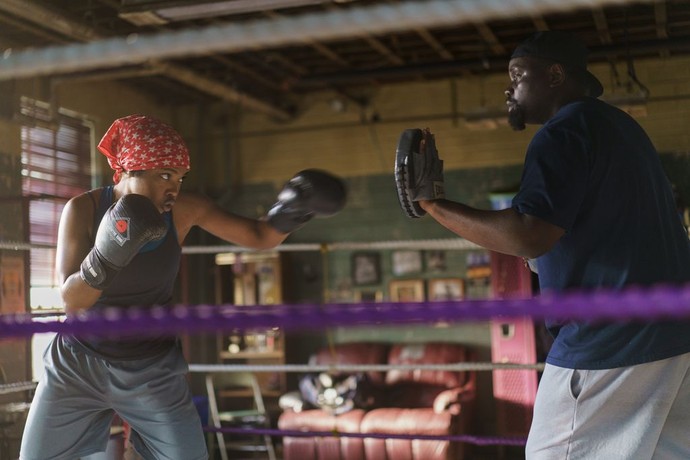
(273, 78)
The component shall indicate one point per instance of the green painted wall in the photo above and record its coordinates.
(372, 214)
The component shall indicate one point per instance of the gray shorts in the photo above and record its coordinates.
(629, 413)
(79, 394)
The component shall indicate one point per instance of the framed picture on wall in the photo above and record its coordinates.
(366, 268)
(368, 296)
(406, 262)
(446, 289)
(435, 261)
(406, 290)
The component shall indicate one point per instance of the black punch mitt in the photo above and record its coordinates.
(418, 175)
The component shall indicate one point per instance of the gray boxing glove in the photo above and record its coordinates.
(126, 227)
(310, 193)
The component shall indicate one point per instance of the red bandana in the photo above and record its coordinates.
(139, 142)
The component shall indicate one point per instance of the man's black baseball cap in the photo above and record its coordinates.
(565, 49)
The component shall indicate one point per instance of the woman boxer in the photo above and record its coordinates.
(120, 246)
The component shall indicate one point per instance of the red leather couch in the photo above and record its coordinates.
(427, 402)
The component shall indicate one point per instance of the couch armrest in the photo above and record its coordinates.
(452, 399)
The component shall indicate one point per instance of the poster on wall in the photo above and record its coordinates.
(407, 262)
(446, 289)
(12, 285)
(366, 268)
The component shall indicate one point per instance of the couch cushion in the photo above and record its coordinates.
(410, 395)
(427, 353)
(407, 422)
(354, 353)
(322, 448)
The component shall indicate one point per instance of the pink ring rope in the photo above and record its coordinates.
(656, 302)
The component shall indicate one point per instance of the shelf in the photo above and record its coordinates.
(254, 281)
(243, 393)
(276, 354)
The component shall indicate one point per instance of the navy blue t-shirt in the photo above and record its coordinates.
(592, 171)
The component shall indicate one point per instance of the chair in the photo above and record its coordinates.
(228, 384)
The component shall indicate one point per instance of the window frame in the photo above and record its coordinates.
(57, 161)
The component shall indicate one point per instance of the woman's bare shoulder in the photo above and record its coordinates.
(78, 213)
(190, 208)
(192, 204)
(84, 203)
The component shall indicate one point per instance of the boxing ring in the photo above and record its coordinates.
(655, 302)
(638, 303)
(643, 304)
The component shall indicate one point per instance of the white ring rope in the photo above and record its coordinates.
(450, 243)
(330, 25)
(466, 366)
(429, 244)
(15, 387)
(21, 246)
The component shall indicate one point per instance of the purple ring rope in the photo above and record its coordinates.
(657, 302)
(469, 439)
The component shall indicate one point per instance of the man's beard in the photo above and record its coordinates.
(516, 118)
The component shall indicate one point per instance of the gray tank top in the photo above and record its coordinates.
(147, 281)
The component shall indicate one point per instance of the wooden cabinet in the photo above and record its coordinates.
(246, 280)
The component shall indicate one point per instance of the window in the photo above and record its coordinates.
(56, 165)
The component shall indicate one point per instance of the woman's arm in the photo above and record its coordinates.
(193, 209)
(74, 243)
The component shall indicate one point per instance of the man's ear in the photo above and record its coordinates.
(556, 75)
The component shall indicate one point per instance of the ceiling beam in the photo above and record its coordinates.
(382, 49)
(234, 66)
(33, 29)
(539, 22)
(494, 64)
(602, 25)
(47, 19)
(319, 47)
(435, 44)
(142, 12)
(661, 19)
(489, 37)
(220, 90)
(377, 19)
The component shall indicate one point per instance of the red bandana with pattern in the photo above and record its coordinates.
(139, 142)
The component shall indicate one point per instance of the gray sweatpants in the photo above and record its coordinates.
(629, 413)
(79, 394)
